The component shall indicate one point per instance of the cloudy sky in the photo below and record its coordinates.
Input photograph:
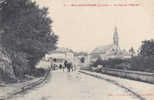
(85, 27)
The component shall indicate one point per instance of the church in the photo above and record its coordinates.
(109, 51)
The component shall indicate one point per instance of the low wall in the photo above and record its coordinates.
(26, 86)
(136, 75)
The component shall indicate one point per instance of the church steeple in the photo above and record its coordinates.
(116, 37)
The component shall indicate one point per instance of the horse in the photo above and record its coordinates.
(69, 67)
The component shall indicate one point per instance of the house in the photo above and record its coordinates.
(59, 55)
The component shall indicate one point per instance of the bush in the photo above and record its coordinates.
(124, 66)
(147, 48)
(115, 63)
(98, 62)
(136, 63)
(143, 63)
(38, 72)
(6, 78)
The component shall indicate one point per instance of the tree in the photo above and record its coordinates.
(147, 48)
(145, 58)
(27, 35)
(99, 61)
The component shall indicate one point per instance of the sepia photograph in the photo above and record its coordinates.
(76, 50)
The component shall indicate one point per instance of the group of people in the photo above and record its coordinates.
(66, 65)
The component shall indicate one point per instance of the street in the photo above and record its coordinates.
(75, 86)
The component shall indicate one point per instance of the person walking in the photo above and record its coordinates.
(68, 65)
(71, 66)
(60, 66)
(65, 65)
(51, 63)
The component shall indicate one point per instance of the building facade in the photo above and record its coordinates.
(109, 51)
(60, 55)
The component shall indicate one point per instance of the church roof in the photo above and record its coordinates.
(102, 49)
(109, 51)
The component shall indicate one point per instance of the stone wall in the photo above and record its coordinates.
(135, 75)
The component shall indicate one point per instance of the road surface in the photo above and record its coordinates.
(75, 86)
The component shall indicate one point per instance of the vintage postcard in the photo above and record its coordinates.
(76, 50)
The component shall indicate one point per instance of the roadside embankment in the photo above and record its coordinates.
(134, 75)
(9, 90)
(143, 91)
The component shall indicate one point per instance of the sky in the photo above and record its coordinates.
(82, 28)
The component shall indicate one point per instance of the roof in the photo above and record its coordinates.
(109, 51)
(102, 49)
(62, 50)
(80, 53)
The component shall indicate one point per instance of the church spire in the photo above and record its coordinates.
(116, 37)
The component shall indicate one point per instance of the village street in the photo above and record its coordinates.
(75, 86)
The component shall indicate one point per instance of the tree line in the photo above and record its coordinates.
(25, 35)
